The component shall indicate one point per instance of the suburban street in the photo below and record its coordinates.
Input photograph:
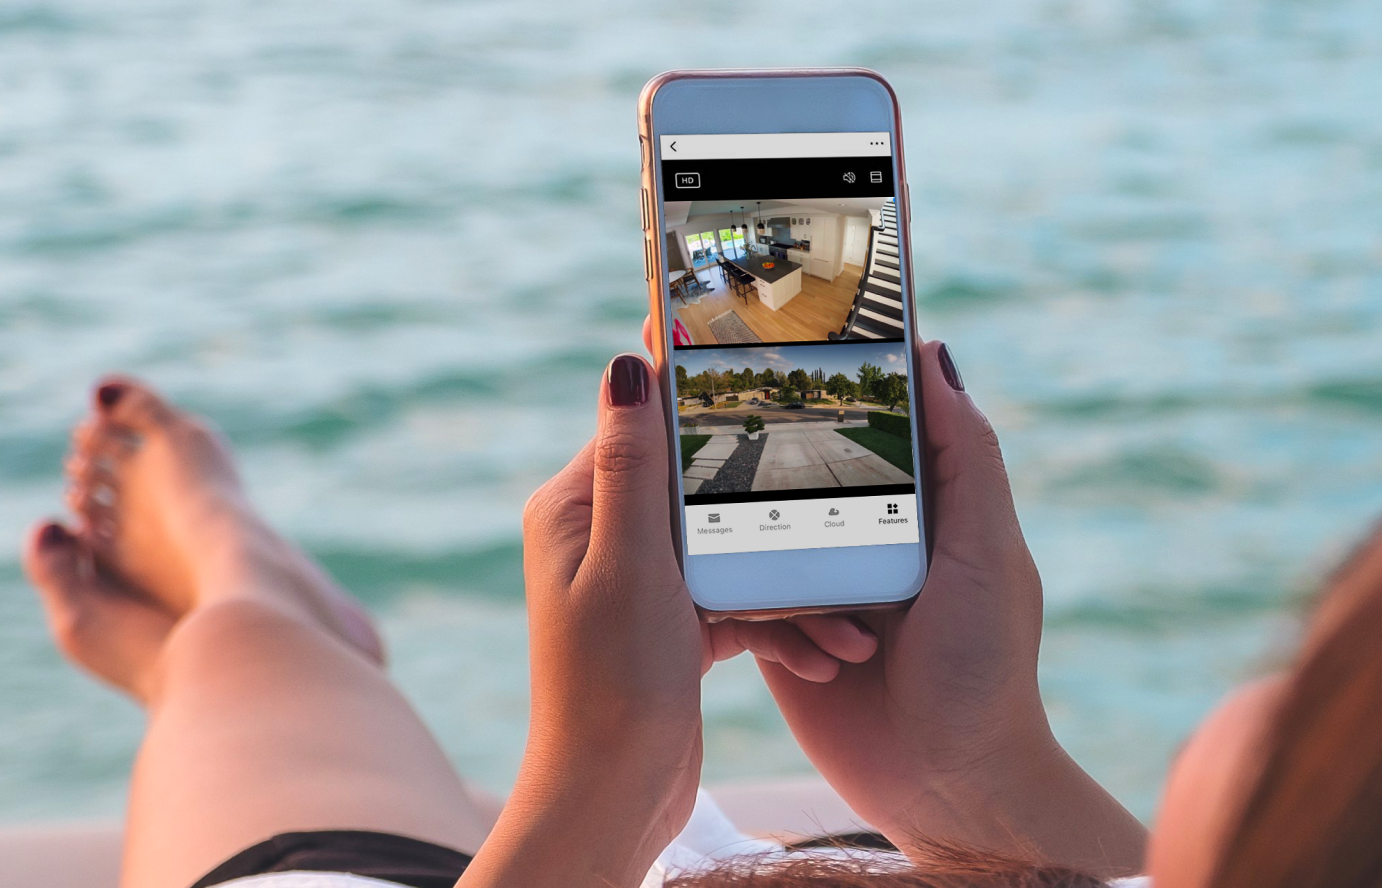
(774, 414)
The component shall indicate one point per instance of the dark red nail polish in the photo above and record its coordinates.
(949, 370)
(628, 381)
(110, 393)
(52, 535)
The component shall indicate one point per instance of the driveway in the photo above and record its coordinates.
(807, 458)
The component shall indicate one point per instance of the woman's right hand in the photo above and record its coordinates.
(943, 734)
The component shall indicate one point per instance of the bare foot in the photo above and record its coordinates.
(164, 510)
(110, 629)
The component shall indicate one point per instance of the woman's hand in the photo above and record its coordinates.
(617, 652)
(944, 734)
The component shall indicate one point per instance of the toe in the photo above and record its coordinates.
(59, 566)
(132, 404)
(105, 627)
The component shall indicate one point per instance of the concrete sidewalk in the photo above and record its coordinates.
(821, 457)
(708, 461)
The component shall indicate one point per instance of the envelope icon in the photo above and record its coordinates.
(714, 517)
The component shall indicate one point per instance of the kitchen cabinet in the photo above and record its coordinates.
(777, 294)
(800, 257)
(821, 268)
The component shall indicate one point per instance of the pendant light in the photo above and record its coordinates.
(760, 216)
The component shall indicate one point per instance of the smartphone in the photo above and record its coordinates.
(775, 221)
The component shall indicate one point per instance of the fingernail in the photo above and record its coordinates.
(109, 394)
(949, 370)
(52, 535)
(628, 381)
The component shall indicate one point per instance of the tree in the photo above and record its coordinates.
(840, 385)
(869, 377)
(768, 378)
(892, 390)
(799, 379)
(683, 382)
(747, 380)
(787, 394)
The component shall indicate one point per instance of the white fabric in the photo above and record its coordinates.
(708, 838)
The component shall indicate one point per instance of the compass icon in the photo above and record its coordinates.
(774, 515)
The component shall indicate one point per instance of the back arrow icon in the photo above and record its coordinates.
(673, 146)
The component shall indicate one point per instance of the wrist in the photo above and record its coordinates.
(1030, 801)
(596, 817)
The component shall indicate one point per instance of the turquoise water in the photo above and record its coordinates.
(389, 244)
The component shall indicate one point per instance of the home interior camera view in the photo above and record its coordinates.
(744, 272)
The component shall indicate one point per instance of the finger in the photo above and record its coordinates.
(973, 500)
(648, 333)
(556, 520)
(778, 641)
(839, 636)
(630, 522)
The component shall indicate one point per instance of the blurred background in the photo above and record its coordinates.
(388, 245)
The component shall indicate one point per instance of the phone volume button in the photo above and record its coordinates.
(647, 213)
(647, 259)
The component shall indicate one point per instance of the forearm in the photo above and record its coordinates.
(1037, 805)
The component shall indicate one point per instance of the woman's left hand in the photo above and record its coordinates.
(617, 652)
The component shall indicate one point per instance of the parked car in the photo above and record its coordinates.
(797, 405)
(754, 402)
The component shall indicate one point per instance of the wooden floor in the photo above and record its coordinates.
(820, 308)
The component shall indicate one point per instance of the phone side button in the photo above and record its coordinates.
(647, 259)
(646, 214)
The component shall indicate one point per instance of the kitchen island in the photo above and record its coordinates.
(776, 285)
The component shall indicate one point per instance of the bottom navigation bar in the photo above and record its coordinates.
(802, 524)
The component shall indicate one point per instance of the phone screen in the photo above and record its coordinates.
(787, 303)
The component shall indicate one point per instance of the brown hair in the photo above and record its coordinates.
(1312, 814)
(946, 866)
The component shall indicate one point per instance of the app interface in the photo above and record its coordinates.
(785, 297)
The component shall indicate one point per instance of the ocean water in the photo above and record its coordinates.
(388, 245)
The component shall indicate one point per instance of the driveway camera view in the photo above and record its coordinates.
(800, 417)
(745, 272)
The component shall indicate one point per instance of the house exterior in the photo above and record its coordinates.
(812, 394)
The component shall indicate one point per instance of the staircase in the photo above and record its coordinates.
(877, 309)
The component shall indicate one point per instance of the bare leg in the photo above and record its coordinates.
(268, 709)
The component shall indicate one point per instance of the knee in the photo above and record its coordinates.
(234, 638)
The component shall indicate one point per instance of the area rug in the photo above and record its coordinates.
(730, 328)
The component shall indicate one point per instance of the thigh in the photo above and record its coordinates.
(264, 724)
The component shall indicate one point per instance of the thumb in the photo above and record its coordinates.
(630, 521)
(972, 499)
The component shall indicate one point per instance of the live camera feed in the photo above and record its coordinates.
(795, 417)
(745, 272)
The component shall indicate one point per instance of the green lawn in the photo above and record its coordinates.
(894, 448)
(690, 444)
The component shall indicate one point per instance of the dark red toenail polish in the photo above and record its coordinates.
(628, 381)
(52, 535)
(949, 370)
(110, 393)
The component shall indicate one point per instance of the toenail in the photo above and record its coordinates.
(110, 393)
(53, 535)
